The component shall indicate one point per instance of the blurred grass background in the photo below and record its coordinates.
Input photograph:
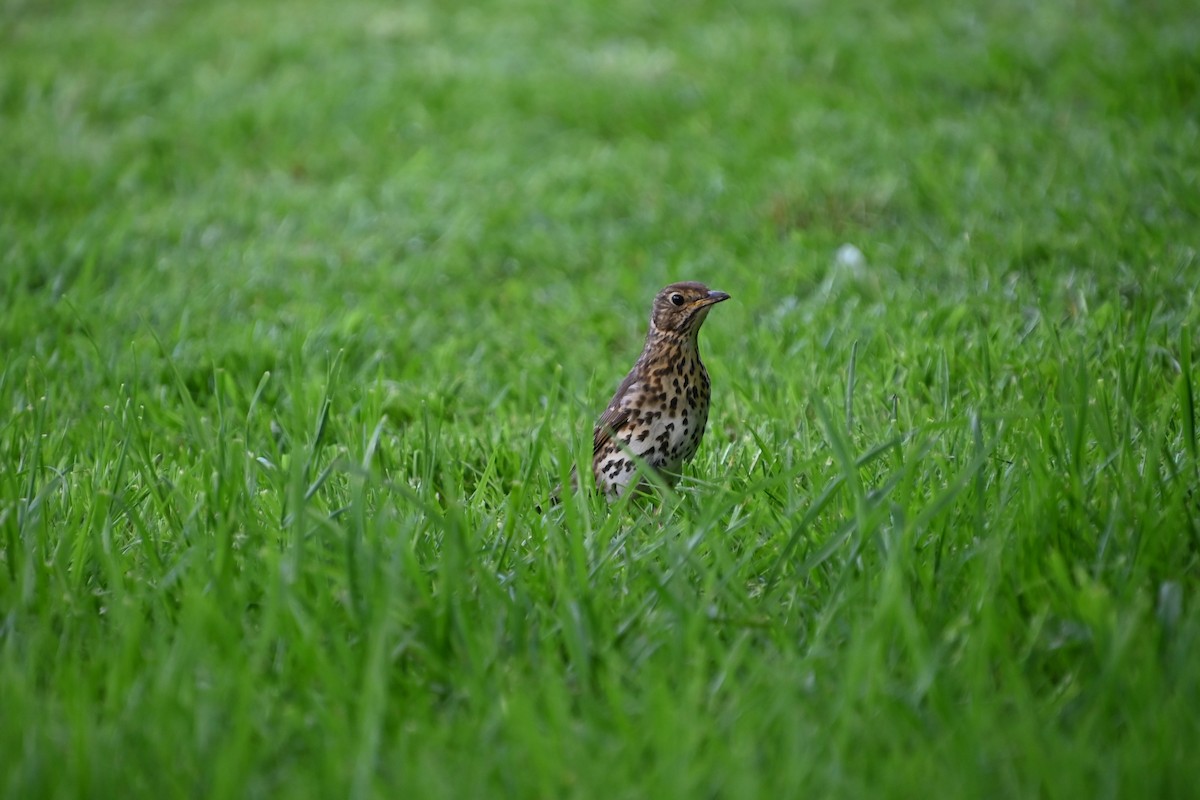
(305, 307)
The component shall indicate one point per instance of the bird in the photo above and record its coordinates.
(659, 411)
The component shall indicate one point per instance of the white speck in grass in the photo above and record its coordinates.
(850, 258)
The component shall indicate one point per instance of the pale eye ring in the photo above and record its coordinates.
(677, 299)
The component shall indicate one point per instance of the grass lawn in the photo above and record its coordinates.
(305, 308)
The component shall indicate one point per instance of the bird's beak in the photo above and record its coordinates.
(714, 298)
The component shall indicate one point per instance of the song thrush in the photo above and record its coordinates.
(659, 411)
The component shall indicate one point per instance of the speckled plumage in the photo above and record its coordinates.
(659, 411)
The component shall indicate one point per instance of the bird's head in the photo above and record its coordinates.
(682, 307)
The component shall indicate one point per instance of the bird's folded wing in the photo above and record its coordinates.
(614, 417)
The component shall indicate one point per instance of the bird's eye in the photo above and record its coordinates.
(677, 299)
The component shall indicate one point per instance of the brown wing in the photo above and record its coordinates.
(614, 417)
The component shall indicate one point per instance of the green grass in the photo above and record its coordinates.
(306, 307)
